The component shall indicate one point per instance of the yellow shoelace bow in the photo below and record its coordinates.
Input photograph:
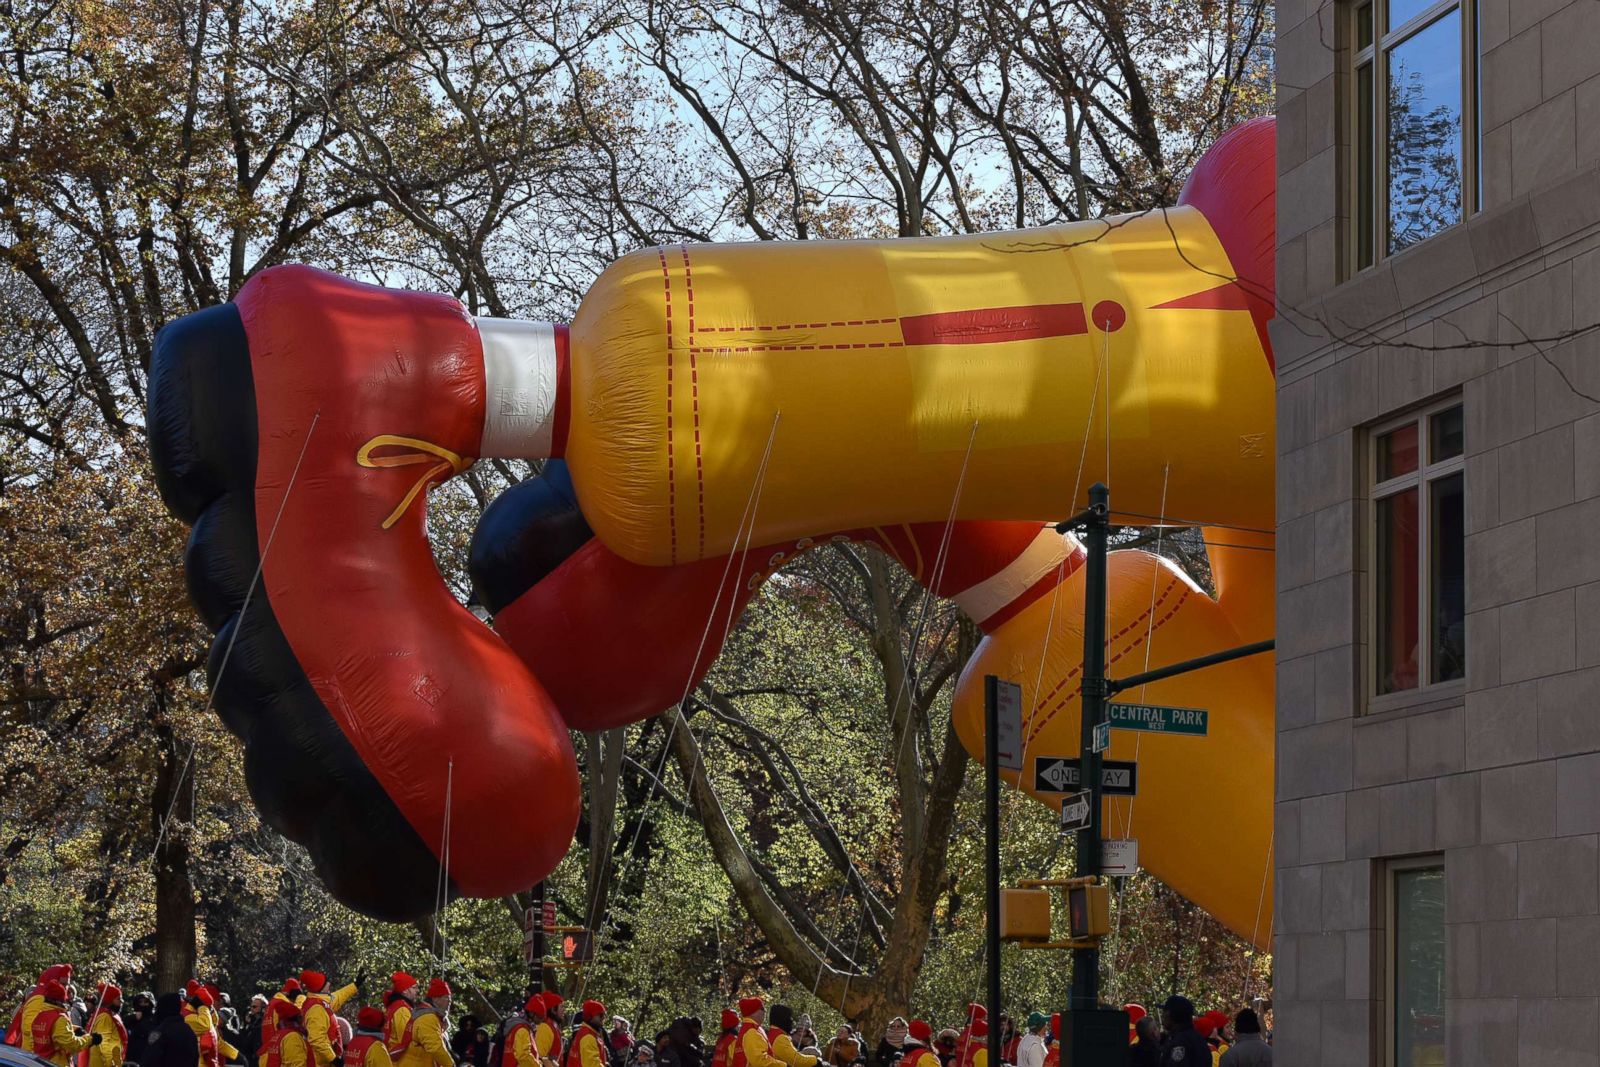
(444, 462)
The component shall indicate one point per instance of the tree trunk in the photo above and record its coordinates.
(172, 815)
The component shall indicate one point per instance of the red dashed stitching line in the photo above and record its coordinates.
(694, 392)
(672, 481)
(798, 348)
(799, 325)
(1175, 584)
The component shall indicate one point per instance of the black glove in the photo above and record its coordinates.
(338, 1061)
(361, 978)
(95, 1039)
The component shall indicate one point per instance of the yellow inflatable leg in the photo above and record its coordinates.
(1203, 813)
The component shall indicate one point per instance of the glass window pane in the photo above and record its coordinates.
(1403, 11)
(1396, 607)
(1397, 452)
(1419, 967)
(1366, 176)
(1445, 434)
(1363, 25)
(1447, 578)
(1424, 164)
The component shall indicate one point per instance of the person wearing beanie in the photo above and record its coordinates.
(365, 1047)
(517, 1041)
(547, 1033)
(754, 1048)
(320, 1009)
(780, 1026)
(197, 1012)
(107, 1023)
(397, 1003)
(1032, 1047)
(918, 1042)
(588, 1045)
(970, 1043)
(722, 1053)
(423, 1043)
(50, 1035)
(286, 1044)
(1185, 1046)
(892, 1044)
(22, 1022)
(1248, 1048)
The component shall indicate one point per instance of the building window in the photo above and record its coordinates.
(1413, 122)
(1415, 992)
(1417, 551)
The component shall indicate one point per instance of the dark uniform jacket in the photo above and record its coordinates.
(1185, 1047)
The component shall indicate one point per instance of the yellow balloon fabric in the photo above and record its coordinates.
(883, 375)
(1203, 812)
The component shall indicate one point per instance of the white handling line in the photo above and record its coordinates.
(1055, 594)
(1138, 737)
(940, 560)
(1255, 928)
(227, 653)
(441, 900)
(752, 503)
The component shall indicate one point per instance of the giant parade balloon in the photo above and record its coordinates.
(720, 409)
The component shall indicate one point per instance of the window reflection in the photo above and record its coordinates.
(1424, 126)
(1419, 945)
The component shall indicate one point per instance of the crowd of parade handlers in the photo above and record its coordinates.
(305, 1024)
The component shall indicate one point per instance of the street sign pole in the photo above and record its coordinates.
(536, 909)
(1086, 961)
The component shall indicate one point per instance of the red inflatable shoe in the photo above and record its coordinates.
(385, 728)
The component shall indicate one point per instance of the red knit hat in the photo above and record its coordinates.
(592, 1008)
(285, 1009)
(980, 1028)
(535, 1005)
(106, 993)
(313, 980)
(291, 986)
(730, 1019)
(54, 990)
(438, 987)
(400, 981)
(203, 995)
(191, 987)
(751, 1005)
(1204, 1026)
(977, 1011)
(552, 1000)
(370, 1018)
(920, 1031)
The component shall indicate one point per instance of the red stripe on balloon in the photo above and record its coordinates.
(987, 325)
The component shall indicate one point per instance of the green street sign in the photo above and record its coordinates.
(1102, 737)
(1158, 718)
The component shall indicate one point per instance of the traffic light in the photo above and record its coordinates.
(1025, 915)
(1089, 910)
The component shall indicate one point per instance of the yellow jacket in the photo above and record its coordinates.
(589, 1042)
(229, 1053)
(921, 1057)
(522, 1045)
(396, 1029)
(783, 1048)
(319, 1009)
(757, 1049)
(427, 1041)
(30, 1007)
(546, 1043)
(109, 1052)
(67, 1044)
(291, 1049)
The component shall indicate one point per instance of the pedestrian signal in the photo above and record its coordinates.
(1089, 910)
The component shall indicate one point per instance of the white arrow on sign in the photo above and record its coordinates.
(1075, 811)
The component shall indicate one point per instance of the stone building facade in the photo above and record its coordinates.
(1437, 849)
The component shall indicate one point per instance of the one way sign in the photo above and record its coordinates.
(1059, 774)
(1075, 812)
